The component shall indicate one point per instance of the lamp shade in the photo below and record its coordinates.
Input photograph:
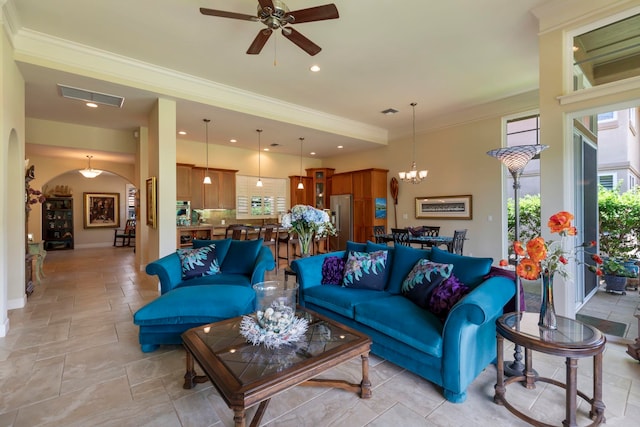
(89, 172)
(515, 158)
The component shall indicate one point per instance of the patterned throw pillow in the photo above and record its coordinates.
(445, 296)
(365, 270)
(198, 262)
(423, 279)
(332, 270)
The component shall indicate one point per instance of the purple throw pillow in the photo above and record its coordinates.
(446, 295)
(332, 270)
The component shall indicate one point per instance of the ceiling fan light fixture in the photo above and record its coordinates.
(89, 172)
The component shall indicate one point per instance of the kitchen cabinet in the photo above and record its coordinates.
(301, 197)
(368, 185)
(341, 183)
(321, 186)
(220, 194)
(183, 181)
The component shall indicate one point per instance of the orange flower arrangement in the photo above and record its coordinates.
(550, 257)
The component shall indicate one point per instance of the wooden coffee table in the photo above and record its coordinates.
(245, 374)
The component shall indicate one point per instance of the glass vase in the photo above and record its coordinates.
(548, 318)
(305, 244)
(275, 305)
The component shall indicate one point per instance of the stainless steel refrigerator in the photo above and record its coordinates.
(342, 218)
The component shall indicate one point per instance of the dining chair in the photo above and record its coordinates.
(237, 232)
(459, 236)
(290, 241)
(429, 231)
(270, 239)
(378, 233)
(400, 236)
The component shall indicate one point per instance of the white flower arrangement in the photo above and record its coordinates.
(306, 220)
(276, 326)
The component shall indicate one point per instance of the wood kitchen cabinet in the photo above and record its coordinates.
(220, 194)
(341, 183)
(301, 197)
(321, 183)
(368, 185)
(183, 181)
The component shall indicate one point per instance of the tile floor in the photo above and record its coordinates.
(71, 358)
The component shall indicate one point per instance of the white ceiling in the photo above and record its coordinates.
(444, 55)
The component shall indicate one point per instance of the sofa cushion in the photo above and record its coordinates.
(365, 270)
(404, 258)
(373, 247)
(355, 247)
(332, 270)
(470, 270)
(222, 247)
(401, 319)
(198, 262)
(445, 296)
(197, 304)
(423, 279)
(218, 279)
(338, 299)
(241, 256)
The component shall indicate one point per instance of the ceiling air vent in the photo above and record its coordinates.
(89, 96)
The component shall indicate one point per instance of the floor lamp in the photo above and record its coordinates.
(515, 158)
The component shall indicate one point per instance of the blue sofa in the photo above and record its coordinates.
(450, 354)
(185, 304)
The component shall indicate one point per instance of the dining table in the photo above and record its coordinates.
(425, 240)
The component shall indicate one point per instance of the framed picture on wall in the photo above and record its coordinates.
(151, 202)
(101, 210)
(444, 207)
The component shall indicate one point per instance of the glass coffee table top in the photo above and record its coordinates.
(249, 363)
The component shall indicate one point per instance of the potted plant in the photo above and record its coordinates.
(615, 275)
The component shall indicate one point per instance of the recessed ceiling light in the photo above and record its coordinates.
(314, 68)
(340, 146)
(265, 149)
(182, 132)
(91, 104)
(233, 140)
(313, 153)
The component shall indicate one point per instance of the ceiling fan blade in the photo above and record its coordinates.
(301, 41)
(225, 14)
(318, 13)
(267, 3)
(259, 41)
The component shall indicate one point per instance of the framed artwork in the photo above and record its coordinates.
(151, 202)
(444, 207)
(381, 207)
(101, 210)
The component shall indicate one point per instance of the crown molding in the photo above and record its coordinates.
(44, 50)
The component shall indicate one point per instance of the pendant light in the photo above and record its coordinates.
(89, 172)
(259, 183)
(207, 178)
(300, 184)
(413, 176)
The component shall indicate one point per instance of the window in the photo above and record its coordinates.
(268, 201)
(633, 120)
(607, 180)
(605, 117)
(632, 181)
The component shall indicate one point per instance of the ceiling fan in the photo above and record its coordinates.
(276, 15)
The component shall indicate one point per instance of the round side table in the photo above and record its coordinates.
(572, 340)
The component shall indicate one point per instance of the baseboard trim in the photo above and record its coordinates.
(4, 328)
(16, 303)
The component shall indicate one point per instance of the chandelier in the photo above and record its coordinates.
(89, 172)
(413, 176)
